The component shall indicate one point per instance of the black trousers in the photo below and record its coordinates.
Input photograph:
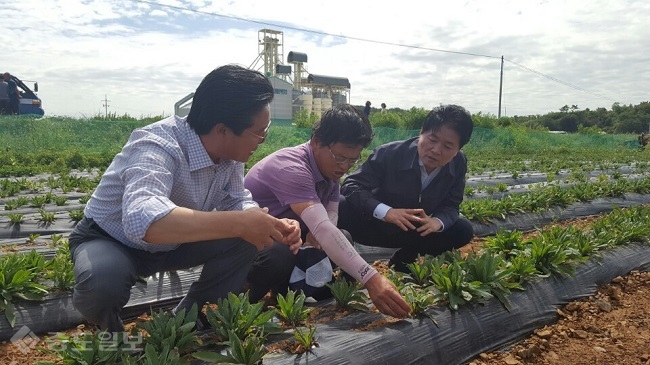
(373, 232)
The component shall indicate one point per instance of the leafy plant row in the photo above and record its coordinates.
(238, 327)
(65, 182)
(542, 198)
(507, 262)
(30, 276)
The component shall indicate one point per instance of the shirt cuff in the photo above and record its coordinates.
(442, 227)
(249, 204)
(380, 211)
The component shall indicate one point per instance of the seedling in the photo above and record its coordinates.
(38, 201)
(235, 314)
(46, 218)
(306, 338)
(419, 300)
(33, 186)
(11, 205)
(16, 218)
(49, 197)
(60, 200)
(247, 352)
(347, 294)
(502, 187)
(61, 270)
(454, 285)
(88, 348)
(521, 268)
(507, 242)
(58, 240)
(420, 271)
(397, 278)
(22, 201)
(84, 199)
(165, 329)
(76, 215)
(18, 280)
(291, 309)
(488, 268)
(33, 237)
(151, 356)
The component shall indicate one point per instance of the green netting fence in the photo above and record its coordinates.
(24, 135)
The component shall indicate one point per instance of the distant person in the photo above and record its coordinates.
(4, 98)
(366, 110)
(13, 94)
(383, 108)
(407, 194)
(302, 183)
(174, 198)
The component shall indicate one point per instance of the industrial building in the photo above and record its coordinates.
(295, 88)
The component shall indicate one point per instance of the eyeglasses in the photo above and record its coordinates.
(342, 160)
(263, 137)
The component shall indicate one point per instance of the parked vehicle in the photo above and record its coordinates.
(30, 103)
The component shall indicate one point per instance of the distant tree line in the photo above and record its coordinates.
(571, 119)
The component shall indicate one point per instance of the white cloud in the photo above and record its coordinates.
(144, 57)
(158, 12)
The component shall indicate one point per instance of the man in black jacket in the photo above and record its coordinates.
(407, 193)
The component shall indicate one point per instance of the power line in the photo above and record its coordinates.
(312, 31)
(269, 24)
(559, 81)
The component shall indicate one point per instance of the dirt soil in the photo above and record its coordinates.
(610, 327)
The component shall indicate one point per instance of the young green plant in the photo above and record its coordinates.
(243, 352)
(236, 315)
(291, 309)
(347, 295)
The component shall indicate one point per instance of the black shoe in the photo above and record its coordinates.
(201, 324)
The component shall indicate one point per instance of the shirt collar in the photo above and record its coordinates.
(412, 160)
(197, 155)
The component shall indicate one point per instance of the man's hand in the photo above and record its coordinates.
(429, 225)
(290, 229)
(404, 218)
(261, 229)
(386, 297)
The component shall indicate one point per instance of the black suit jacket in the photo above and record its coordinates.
(391, 175)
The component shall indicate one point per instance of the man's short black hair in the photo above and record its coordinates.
(343, 124)
(454, 117)
(230, 95)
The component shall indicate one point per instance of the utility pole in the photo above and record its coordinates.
(500, 88)
(105, 105)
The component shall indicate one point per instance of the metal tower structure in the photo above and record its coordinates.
(298, 60)
(270, 52)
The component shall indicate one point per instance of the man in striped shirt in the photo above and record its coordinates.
(174, 198)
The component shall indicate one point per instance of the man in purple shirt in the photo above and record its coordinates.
(302, 183)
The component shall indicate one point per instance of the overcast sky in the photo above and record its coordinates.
(144, 57)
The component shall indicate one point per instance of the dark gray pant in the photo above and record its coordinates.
(105, 270)
(373, 232)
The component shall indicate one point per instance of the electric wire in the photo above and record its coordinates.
(526, 68)
(313, 31)
(559, 81)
